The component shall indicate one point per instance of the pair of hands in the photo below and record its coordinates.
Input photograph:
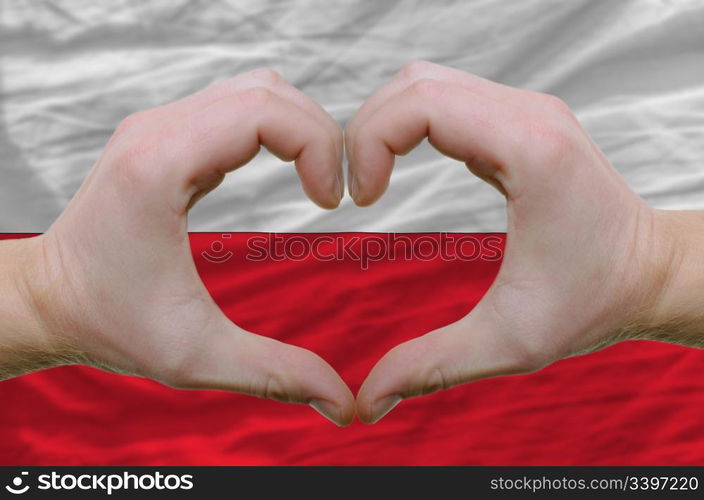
(113, 283)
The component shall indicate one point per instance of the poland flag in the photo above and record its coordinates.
(350, 284)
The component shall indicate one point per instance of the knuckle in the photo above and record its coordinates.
(255, 96)
(131, 161)
(555, 104)
(438, 379)
(273, 388)
(427, 88)
(132, 122)
(135, 153)
(415, 69)
(441, 373)
(266, 76)
(277, 378)
(553, 143)
(136, 163)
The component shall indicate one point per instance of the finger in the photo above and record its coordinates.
(268, 79)
(149, 121)
(459, 123)
(419, 70)
(232, 359)
(473, 348)
(261, 77)
(202, 148)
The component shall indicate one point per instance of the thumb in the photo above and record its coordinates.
(475, 347)
(232, 359)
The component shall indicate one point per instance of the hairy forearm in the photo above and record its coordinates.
(25, 344)
(678, 313)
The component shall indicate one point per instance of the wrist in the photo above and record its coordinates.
(676, 313)
(26, 344)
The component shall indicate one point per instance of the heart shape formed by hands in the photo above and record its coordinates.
(115, 285)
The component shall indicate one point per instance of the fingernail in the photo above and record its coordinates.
(326, 409)
(354, 186)
(339, 187)
(384, 406)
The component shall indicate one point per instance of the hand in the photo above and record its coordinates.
(586, 261)
(113, 283)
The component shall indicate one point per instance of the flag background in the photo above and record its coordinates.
(633, 403)
(70, 70)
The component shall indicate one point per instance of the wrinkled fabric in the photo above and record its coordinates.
(70, 70)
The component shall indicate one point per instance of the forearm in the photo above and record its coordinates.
(678, 313)
(25, 345)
